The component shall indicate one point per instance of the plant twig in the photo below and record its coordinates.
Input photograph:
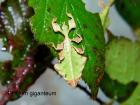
(18, 78)
(90, 95)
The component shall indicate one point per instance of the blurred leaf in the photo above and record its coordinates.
(130, 11)
(116, 90)
(123, 60)
(105, 12)
(88, 25)
(135, 98)
(5, 72)
(18, 40)
(15, 31)
(42, 57)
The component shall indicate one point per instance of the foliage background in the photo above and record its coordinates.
(64, 93)
(54, 82)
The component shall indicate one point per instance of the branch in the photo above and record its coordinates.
(90, 95)
(18, 79)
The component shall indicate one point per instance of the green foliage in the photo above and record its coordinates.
(104, 14)
(116, 90)
(129, 10)
(18, 40)
(76, 37)
(134, 98)
(122, 60)
(88, 25)
(5, 72)
(122, 67)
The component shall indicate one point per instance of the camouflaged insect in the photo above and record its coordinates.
(71, 59)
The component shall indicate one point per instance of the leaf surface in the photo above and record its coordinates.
(116, 90)
(135, 98)
(123, 60)
(129, 10)
(88, 26)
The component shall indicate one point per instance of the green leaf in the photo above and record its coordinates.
(130, 11)
(104, 14)
(5, 73)
(88, 26)
(116, 90)
(135, 97)
(122, 60)
(16, 33)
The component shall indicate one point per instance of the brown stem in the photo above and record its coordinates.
(18, 78)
